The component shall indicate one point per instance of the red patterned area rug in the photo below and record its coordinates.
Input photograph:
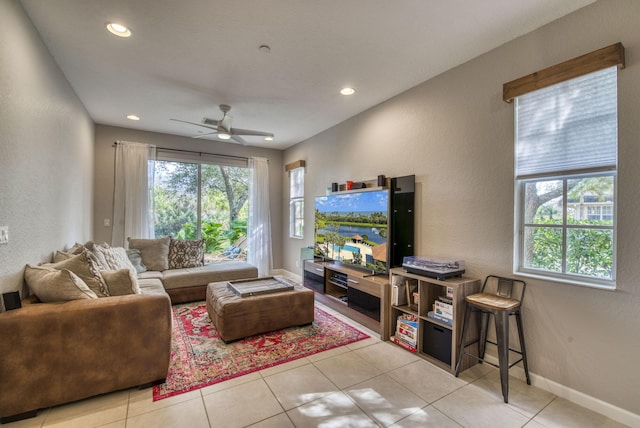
(199, 357)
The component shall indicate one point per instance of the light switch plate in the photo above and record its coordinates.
(4, 235)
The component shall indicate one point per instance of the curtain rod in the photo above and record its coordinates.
(195, 152)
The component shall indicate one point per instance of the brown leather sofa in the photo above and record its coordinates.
(54, 353)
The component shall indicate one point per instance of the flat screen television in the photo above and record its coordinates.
(353, 228)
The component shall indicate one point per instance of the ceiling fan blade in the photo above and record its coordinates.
(237, 131)
(204, 135)
(238, 139)
(225, 123)
(212, 122)
(196, 123)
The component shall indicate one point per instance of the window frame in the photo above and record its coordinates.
(519, 267)
(536, 165)
(296, 202)
(199, 159)
(594, 61)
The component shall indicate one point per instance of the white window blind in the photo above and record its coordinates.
(296, 183)
(568, 127)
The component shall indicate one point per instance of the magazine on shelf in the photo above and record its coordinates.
(408, 335)
(404, 344)
(443, 320)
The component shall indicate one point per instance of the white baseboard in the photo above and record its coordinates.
(286, 274)
(609, 410)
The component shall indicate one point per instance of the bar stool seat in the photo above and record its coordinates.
(493, 302)
(496, 299)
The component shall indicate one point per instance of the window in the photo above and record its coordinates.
(566, 172)
(296, 199)
(202, 198)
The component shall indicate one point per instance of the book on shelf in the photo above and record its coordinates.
(443, 309)
(447, 300)
(410, 335)
(407, 346)
(439, 318)
(411, 340)
(410, 319)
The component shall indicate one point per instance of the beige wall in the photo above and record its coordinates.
(46, 151)
(456, 134)
(104, 169)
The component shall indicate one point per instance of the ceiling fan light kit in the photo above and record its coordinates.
(223, 130)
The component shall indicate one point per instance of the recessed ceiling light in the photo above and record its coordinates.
(268, 138)
(223, 135)
(347, 91)
(133, 117)
(118, 29)
(265, 48)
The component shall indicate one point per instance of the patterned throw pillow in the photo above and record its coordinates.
(115, 258)
(186, 253)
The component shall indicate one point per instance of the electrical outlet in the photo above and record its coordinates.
(4, 235)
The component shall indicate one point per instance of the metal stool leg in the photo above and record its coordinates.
(461, 344)
(522, 347)
(502, 334)
(482, 340)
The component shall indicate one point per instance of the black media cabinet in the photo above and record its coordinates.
(348, 290)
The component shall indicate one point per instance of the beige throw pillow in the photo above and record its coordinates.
(154, 252)
(121, 282)
(53, 285)
(115, 258)
(86, 268)
(186, 253)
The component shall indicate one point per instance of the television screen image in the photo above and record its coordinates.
(352, 228)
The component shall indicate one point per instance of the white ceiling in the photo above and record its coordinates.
(185, 58)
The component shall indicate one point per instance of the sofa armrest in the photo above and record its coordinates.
(53, 353)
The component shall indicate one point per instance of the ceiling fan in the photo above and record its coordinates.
(223, 128)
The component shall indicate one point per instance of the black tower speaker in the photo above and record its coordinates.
(11, 300)
(401, 221)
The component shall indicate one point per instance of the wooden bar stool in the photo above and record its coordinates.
(496, 298)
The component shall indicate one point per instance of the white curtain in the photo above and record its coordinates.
(133, 192)
(259, 224)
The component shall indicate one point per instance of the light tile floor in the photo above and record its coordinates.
(366, 384)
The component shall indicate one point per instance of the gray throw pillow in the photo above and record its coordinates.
(136, 260)
(154, 252)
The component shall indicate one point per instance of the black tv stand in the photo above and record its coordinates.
(352, 291)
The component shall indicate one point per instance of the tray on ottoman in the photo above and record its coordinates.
(257, 286)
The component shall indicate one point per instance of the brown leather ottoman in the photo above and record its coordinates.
(237, 317)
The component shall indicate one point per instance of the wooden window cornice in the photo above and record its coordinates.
(584, 64)
(293, 165)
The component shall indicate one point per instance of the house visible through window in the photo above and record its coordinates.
(203, 199)
(566, 174)
(296, 199)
